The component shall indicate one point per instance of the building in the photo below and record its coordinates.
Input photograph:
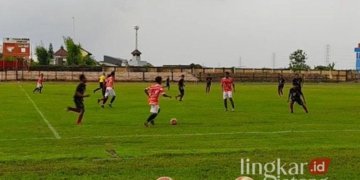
(113, 61)
(1, 51)
(60, 56)
(16, 48)
(357, 61)
(136, 59)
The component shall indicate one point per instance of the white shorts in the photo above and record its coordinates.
(109, 92)
(38, 85)
(227, 94)
(154, 108)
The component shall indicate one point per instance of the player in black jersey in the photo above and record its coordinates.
(281, 84)
(295, 95)
(79, 99)
(297, 81)
(208, 83)
(181, 85)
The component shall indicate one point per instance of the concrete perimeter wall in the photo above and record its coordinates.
(191, 74)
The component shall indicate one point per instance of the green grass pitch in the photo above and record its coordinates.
(207, 143)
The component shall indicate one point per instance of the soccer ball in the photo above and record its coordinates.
(164, 178)
(173, 121)
(244, 178)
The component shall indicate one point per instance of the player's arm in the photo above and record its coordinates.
(81, 95)
(146, 92)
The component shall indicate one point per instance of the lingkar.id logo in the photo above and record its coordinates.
(278, 170)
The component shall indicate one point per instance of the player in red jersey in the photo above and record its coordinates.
(153, 92)
(228, 87)
(39, 84)
(109, 83)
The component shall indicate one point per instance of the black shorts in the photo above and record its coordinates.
(297, 100)
(101, 85)
(208, 84)
(182, 91)
(79, 103)
(280, 86)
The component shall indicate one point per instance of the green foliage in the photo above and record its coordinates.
(88, 60)
(51, 51)
(329, 67)
(193, 65)
(74, 56)
(78, 68)
(42, 55)
(298, 61)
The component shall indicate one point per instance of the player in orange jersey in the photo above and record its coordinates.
(109, 83)
(228, 87)
(153, 92)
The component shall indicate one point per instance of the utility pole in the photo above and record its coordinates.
(273, 60)
(240, 65)
(327, 54)
(73, 18)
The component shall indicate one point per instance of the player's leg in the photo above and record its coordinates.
(152, 122)
(100, 87)
(81, 114)
(40, 89)
(105, 98)
(154, 110)
(225, 96)
(176, 97)
(232, 103)
(292, 106)
(182, 92)
(229, 95)
(301, 103)
(112, 100)
(112, 93)
(77, 104)
(305, 108)
(279, 90)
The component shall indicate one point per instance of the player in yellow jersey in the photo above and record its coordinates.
(101, 84)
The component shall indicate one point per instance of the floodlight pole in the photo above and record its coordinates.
(136, 36)
(73, 18)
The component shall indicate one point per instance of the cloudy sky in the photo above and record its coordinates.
(247, 33)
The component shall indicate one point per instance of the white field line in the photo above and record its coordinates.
(191, 134)
(53, 130)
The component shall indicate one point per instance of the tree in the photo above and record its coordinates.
(42, 55)
(51, 51)
(74, 56)
(88, 60)
(329, 67)
(298, 61)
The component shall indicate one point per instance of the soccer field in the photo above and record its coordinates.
(39, 139)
